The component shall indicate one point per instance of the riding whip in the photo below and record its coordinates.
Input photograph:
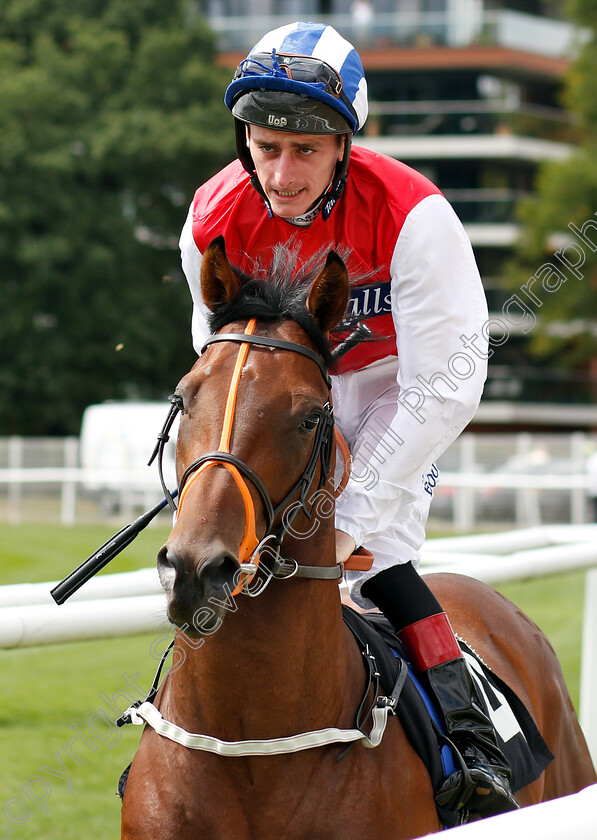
(100, 558)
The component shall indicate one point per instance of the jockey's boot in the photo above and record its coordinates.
(424, 630)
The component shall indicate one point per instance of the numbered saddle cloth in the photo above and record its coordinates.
(517, 733)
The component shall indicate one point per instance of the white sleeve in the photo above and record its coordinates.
(439, 312)
(191, 265)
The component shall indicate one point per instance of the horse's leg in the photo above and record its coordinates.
(516, 649)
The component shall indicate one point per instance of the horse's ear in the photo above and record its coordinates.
(328, 297)
(219, 284)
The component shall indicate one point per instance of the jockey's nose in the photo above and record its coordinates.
(285, 173)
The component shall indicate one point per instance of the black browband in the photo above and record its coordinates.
(266, 341)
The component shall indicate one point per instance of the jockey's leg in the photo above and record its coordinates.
(429, 641)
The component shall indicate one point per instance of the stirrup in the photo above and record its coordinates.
(491, 792)
(451, 798)
(460, 794)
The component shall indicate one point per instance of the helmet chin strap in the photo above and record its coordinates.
(339, 181)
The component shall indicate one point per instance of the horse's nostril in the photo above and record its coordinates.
(168, 565)
(219, 572)
(213, 576)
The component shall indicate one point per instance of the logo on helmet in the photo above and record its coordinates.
(278, 122)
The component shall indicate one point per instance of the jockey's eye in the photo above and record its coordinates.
(310, 423)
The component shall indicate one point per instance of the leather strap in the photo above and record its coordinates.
(282, 569)
(148, 713)
(266, 341)
(360, 561)
(346, 460)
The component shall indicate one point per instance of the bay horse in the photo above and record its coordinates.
(256, 676)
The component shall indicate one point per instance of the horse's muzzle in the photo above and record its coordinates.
(199, 592)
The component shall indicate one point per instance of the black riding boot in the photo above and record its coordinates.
(474, 736)
(429, 642)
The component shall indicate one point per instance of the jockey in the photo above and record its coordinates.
(401, 398)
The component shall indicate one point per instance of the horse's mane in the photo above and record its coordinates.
(278, 290)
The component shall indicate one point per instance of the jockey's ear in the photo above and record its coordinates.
(219, 284)
(328, 297)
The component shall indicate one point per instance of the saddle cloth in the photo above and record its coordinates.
(517, 733)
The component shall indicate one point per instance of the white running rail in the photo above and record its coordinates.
(572, 817)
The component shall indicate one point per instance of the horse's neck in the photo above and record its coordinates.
(282, 658)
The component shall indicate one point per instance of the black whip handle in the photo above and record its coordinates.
(360, 333)
(100, 558)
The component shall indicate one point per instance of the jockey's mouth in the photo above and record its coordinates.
(287, 193)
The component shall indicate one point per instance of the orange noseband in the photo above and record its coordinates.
(250, 540)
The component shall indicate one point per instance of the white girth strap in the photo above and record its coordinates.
(148, 713)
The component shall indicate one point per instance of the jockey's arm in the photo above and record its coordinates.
(440, 313)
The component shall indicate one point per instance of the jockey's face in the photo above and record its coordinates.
(293, 169)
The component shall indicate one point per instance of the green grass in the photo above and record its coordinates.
(31, 553)
(47, 690)
(51, 693)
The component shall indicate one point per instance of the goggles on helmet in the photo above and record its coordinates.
(297, 91)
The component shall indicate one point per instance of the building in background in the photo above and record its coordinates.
(467, 92)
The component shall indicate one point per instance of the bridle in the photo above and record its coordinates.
(142, 712)
(321, 455)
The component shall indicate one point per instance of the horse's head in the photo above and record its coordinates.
(255, 438)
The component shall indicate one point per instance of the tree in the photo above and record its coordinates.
(556, 266)
(111, 114)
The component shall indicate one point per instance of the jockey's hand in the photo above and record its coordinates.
(345, 546)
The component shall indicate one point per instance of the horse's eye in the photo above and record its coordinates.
(310, 423)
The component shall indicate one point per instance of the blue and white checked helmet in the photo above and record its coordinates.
(303, 77)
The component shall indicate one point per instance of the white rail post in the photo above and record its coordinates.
(69, 486)
(588, 680)
(15, 488)
(578, 495)
(528, 509)
(464, 498)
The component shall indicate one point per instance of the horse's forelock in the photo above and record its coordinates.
(277, 291)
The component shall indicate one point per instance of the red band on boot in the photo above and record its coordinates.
(430, 642)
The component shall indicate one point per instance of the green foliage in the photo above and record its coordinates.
(111, 114)
(566, 195)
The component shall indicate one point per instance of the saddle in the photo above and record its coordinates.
(517, 733)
